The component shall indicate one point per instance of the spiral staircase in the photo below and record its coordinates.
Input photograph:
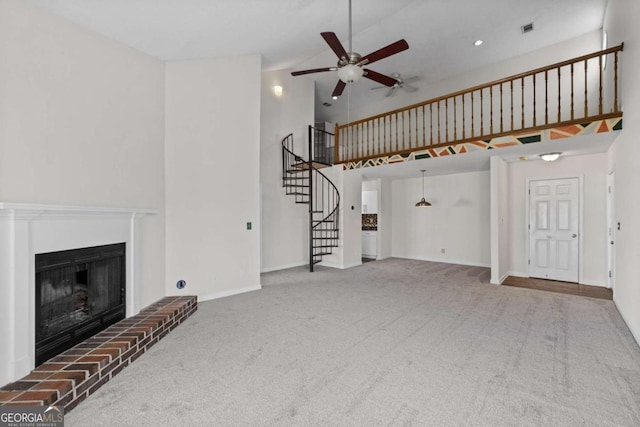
(303, 180)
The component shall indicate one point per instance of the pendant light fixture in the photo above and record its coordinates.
(423, 203)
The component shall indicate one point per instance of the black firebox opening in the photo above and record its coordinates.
(78, 293)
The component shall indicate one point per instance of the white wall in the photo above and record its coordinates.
(81, 123)
(212, 175)
(370, 200)
(593, 168)
(351, 217)
(285, 224)
(500, 219)
(385, 219)
(457, 221)
(349, 185)
(622, 26)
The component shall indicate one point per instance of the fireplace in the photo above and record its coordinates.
(79, 292)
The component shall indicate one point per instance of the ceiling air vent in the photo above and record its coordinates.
(527, 28)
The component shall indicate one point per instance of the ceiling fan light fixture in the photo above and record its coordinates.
(478, 42)
(350, 73)
(550, 157)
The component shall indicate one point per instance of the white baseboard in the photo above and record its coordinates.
(228, 293)
(355, 264)
(283, 267)
(339, 266)
(501, 279)
(446, 261)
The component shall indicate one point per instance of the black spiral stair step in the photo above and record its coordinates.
(296, 185)
(295, 178)
(320, 221)
(314, 164)
(322, 253)
(296, 171)
(325, 246)
(296, 193)
(326, 229)
(325, 238)
(303, 202)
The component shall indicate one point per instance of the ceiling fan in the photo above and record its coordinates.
(400, 84)
(351, 64)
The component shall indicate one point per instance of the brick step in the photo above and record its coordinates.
(69, 378)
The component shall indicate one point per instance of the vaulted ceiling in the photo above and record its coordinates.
(286, 33)
(440, 33)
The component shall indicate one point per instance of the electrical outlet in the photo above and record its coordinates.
(248, 226)
(442, 250)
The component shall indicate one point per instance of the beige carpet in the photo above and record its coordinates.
(389, 343)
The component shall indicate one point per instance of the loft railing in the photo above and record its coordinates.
(569, 92)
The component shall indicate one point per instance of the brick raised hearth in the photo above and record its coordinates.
(72, 376)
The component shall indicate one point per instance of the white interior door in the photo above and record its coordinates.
(553, 226)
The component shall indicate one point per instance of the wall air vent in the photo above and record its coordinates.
(527, 28)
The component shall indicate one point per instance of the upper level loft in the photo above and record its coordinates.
(576, 97)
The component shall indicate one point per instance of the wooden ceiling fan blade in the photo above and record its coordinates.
(380, 78)
(386, 51)
(313, 70)
(339, 88)
(335, 45)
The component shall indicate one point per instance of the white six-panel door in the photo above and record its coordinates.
(553, 227)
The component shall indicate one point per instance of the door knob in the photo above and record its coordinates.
(574, 235)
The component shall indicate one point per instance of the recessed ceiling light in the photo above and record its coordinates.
(477, 42)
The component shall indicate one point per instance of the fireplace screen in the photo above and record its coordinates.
(78, 293)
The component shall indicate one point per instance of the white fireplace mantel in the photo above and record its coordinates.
(30, 229)
(30, 210)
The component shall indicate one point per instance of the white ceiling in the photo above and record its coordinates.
(440, 33)
(286, 33)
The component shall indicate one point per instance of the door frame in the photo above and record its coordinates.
(580, 220)
(611, 230)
